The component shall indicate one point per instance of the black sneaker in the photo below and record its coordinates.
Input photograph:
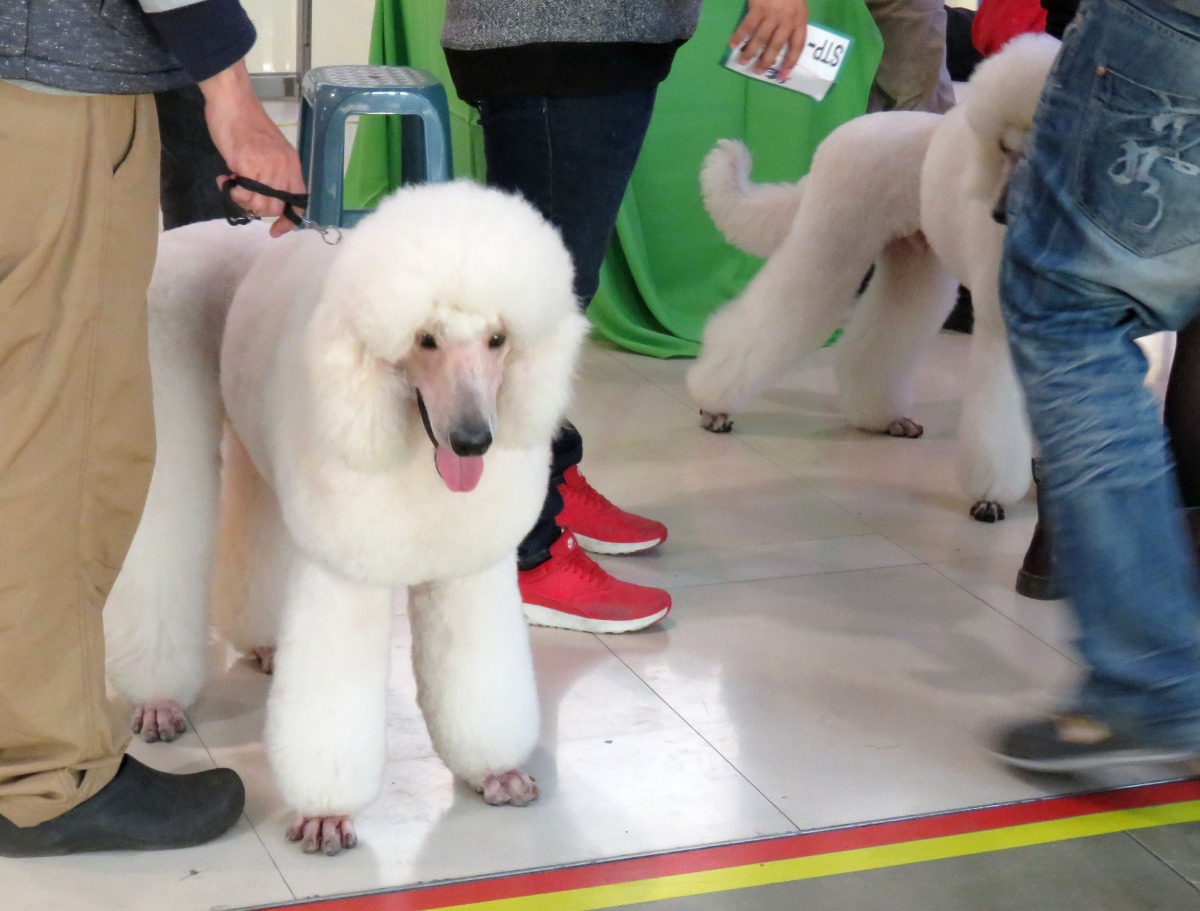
(141, 809)
(1076, 743)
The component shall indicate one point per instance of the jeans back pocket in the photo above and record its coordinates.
(1137, 172)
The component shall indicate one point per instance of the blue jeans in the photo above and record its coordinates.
(571, 157)
(1103, 246)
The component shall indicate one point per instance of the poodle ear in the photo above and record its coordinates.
(999, 110)
(358, 399)
(537, 384)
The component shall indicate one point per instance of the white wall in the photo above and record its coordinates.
(341, 33)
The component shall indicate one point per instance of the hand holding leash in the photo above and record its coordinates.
(236, 215)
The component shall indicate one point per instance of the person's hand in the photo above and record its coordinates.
(251, 144)
(769, 26)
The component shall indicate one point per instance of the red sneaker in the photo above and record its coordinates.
(571, 591)
(600, 526)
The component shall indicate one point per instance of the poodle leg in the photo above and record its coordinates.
(327, 710)
(995, 442)
(254, 550)
(156, 620)
(475, 680)
(892, 328)
(788, 310)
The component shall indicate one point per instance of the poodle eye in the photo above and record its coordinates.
(427, 341)
(497, 340)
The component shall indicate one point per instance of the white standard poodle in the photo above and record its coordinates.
(387, 407)
(914, 194)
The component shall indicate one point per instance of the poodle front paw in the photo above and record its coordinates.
(327, 834)
(716, 421)
(265, 656)
(904, 427)
(987, 511)
(159, 719)
(512, 787)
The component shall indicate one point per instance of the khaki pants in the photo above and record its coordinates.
(912, 74)
(78, 226)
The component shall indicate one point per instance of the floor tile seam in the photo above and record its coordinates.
(907, 550)
(685, 402)
(633, 369)
(830, 572)
(1071, 658)
(246, 815)
(790, 542)
(691, 727)
(1162, 860)
(912, 561)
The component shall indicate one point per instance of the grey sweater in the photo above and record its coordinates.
(508, 48)
(472, 25)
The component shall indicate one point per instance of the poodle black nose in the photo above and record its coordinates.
(470, 440)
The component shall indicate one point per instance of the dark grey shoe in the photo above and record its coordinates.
(1076, 743)
(141, 809)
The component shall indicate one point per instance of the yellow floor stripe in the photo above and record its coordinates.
(621, 894)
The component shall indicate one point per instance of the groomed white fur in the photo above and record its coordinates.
(331, 503)
(880, 186)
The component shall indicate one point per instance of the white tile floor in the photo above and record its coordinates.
(844, 636)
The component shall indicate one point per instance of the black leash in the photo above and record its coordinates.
(292, 202)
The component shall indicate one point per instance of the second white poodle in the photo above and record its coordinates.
(914, 194)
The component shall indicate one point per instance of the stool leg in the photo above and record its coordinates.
(414, 164)
(328, 166)
(435, 118)
(304, 140)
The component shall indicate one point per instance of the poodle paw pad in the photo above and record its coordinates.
(327, 834)
(904, 427)
(987, 511)
(716, 421)
(158, 719)
(265, 656)
(513, 787)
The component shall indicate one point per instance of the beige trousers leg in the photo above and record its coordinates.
(78, 230)
(912, 74)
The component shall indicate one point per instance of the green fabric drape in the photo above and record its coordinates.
(667, 268)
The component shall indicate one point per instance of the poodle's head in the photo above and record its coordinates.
(448, 321)
(1004, 94)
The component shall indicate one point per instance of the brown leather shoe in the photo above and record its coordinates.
(1034, 579)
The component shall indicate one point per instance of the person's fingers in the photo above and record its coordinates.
(747, 27)
(281, 227)
(772, 45)
(795, 46)
(754, 46)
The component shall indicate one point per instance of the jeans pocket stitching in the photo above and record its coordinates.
(1139, 163)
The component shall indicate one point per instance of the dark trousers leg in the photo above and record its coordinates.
(190, 163)
(571, 158)
(1182, 412)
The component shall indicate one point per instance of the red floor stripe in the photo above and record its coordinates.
(764, 850)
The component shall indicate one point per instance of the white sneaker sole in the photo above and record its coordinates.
(537, 615)
(614, 548)
(1067, 765)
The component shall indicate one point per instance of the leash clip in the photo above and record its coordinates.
(326, 231)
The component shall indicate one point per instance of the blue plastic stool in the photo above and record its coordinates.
(330, 94)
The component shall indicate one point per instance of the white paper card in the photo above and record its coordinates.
(816, 70)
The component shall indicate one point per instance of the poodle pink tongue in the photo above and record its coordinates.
(459, 473)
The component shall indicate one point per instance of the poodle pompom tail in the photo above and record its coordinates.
(753, 217)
